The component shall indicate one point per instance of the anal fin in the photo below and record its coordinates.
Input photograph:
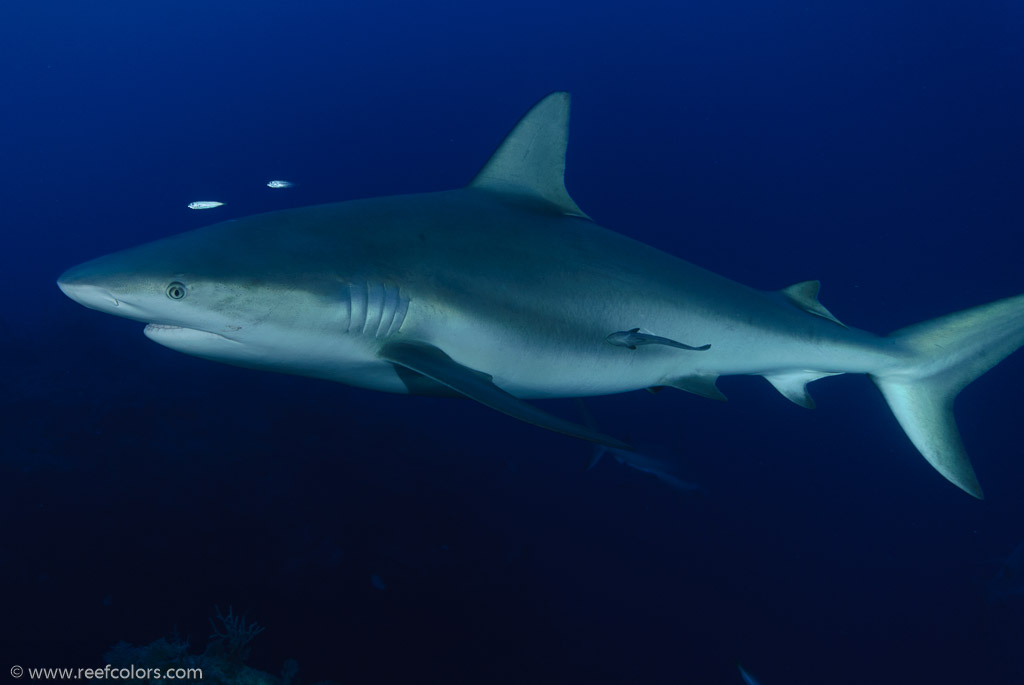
(793, 385)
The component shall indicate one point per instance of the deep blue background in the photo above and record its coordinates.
(874, 145)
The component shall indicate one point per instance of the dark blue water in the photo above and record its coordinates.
(379, 538)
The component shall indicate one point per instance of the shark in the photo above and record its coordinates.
(652, 460)
(646, 461)
(504, 290)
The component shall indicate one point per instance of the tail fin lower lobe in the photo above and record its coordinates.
(944, 356)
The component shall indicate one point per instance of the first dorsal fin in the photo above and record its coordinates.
(531, 160)
(805, 296)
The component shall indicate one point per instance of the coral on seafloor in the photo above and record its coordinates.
(221, 663)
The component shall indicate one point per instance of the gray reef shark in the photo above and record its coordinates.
(504, 290)
(654, 460)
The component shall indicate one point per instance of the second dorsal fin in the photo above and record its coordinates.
(530, 162)
(805, 296)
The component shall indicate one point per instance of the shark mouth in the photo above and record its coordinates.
(164, 334)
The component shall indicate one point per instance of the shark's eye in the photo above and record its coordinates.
(176, 290)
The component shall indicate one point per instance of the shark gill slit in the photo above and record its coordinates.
(374, 306)
(387, 311)
(401, 310)
(377, 309)
(357, 307)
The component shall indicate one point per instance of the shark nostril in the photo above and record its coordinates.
(95, 297)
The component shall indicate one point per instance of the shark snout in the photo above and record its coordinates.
(78, 284)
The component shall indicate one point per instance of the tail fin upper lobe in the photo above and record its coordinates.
(945, 355)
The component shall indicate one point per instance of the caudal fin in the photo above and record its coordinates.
(946, 354)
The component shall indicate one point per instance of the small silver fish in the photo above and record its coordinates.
(280, 184)
(204, 204)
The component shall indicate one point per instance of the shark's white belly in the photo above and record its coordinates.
(575, 360)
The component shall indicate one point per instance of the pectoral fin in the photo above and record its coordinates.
(433, 363)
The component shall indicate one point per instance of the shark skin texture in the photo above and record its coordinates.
(505, 290)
